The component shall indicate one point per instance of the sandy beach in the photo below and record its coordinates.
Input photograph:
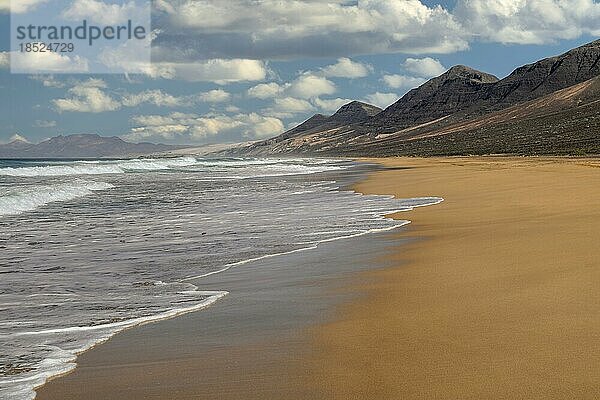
(497, 299)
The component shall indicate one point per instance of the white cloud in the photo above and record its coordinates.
(20, 6)
(424, 67)
(330, 106)
(46, 62)
(382, 100)
(218, 71)
(529, 21)
(87, 96)
(103, 13)
(403, 81)
(44, 124)
(162, 120)
(4, 59)
(346, 68)
(287, 107)
(190, 128)
(156, 97)
(275, 29)
(215, 96)
(232, 109)
(308, 86)
(265, 90)
(91, 96)
(48, 81)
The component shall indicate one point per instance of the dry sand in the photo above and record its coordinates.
(502, 299)
(499, 299)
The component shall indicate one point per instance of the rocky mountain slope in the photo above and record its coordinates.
(351, 113)
(80, 146)
(554, 96)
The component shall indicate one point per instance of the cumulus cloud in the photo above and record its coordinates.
(44, 124)
(529, 21)
(103, 13)
(44, 62)
(191, 128)
(156, 97)
(219, 71)
(424, 67)
(330, 106)
(4, 59)
(19, 7)
(308, 85)
(382, 100)
(87, 96)
(305, 86)
(417, 72)
(346, 68)
(273, 29)
(91, 96)
(215, 96)
(265, 90)
(402, 81)
(287, 107)
(49, 81)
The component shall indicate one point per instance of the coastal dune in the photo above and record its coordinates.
(499, 300)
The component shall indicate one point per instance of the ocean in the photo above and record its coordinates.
(89, 248)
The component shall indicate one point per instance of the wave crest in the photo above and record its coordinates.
(28, 198)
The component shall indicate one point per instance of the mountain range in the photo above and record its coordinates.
(548, 107)
(80, 146)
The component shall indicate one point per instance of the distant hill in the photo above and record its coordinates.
(80, 146)
(351, 113)
(548, 107)
(355, 112)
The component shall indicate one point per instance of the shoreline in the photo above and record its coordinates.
(345, 184)
(476, 309)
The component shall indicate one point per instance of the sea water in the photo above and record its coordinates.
(89, 248)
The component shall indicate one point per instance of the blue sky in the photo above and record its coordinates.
(228, 71)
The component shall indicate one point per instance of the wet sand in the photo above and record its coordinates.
(498, 299)
(252, 344)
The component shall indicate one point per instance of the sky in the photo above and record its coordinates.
(241, 70)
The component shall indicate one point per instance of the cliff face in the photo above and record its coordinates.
(435, 117)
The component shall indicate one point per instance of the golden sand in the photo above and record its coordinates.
(500, 301)
(499, 298)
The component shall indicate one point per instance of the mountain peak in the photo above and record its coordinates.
(353, 112)
(355, 107)
(464, 72)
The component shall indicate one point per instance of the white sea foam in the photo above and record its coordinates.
(59, 361)
(157, 233)
(99, 167)
(28, 198)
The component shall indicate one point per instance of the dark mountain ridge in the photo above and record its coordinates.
(351, 113)
(452, 99)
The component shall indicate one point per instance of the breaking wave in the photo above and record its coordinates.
(28, 198)
(100, 167)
